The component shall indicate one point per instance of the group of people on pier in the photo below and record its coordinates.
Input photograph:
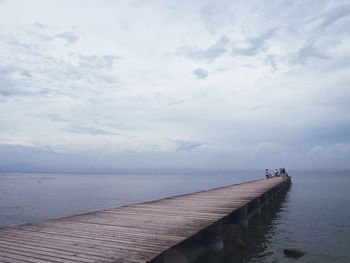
(282, 172)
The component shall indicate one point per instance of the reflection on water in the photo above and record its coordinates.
(252, 243)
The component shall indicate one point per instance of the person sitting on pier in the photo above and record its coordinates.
(276, 172)
(268, 174)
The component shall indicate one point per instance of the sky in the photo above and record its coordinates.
(122, 85)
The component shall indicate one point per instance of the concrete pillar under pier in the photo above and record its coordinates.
(254, 208)
(241, 216)
(189, 251)
(264, 199)
(271, 195)
(257, 205)
(213, 237)
(186, 253)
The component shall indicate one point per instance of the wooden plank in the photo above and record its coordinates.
(5, 259)
(45, 249)
(124, 239)
(24, 257)
(73, 228)
(116, 244)
(105, 254)
(170, 231)
(111, 229)
(47, 255)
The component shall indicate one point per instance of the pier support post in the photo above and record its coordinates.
(271, 194)
(242, 214)
(254, 208)
(257, 205)
(187, 253)
(266, 199)
(213, 237)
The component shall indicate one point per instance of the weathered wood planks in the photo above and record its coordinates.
(132, 233)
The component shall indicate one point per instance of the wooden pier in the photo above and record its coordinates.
(166, 230)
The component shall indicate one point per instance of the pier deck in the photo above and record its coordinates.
(131, 233)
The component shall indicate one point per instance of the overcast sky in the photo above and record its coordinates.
(186, 84)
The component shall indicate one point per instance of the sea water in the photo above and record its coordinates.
(314, 214)
(314, 217)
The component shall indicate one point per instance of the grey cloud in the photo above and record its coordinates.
(255, 44)
(212, 52)
(76, 67)
(200, 73)
(334, 15)
(39, 25)
(88, 130)
(343, 62)
(53, 117)
(14, 42)
(96, 61)
(306, 52)
(106, 79)
(11, 70)
(92, 66)
(187, 145)
(22, 82)
(29, 159)
(94, 131)
(16, 158)
(330, 134)
(69, 37)
(271, 59)
(13, 82)
(216, 14)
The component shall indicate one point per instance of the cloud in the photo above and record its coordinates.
(23, 82)
(271, 59)
(216, 14)
(200, 73)
(53, 117)
(266, 146)
(95, 62)
(13, 82)
(89, 130)
(334, 133)
(39, 25)
(333, 155)
(187, 146)
(37, 71)
(70, 37)
(15, 43)
(334, 15)
(212, 52)
(308, 51)
(255, 44)
(100, 81)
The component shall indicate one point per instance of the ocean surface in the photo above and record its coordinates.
(313, 215)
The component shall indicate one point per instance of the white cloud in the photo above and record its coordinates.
(200, 73)
(342, 149)
(266, 146)
(70, 37)
(123, 76)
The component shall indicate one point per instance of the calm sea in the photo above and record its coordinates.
(314, 215)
